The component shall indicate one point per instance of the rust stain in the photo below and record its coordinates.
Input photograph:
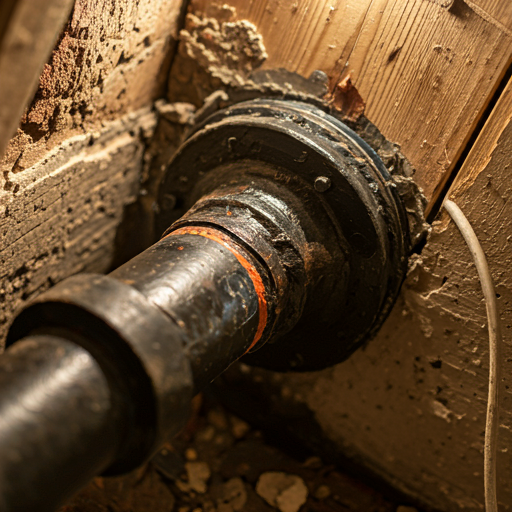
(259, 287)
(346, 99)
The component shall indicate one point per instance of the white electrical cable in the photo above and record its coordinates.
(493, 320)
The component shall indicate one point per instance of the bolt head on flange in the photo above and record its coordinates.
(322, 184)
(353, 186)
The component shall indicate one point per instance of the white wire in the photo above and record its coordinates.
(493, 320)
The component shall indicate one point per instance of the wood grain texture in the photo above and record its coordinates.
(498, 12)
(425, 72)
(427, 78)
(491, 143)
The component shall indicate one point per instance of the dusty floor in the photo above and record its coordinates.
(220, 464)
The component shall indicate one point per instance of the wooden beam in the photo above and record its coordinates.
(425, 71)
(493, 142)
(496, 12)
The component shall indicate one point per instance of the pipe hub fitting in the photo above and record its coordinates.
(339, 239)
(287, 246)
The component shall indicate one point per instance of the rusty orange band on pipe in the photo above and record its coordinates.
(225, 241)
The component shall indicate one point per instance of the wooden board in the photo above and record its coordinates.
(425, 72)
(497, 12)
(491, 143)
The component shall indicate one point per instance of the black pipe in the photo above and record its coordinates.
(157, 330)
(206, 291)
(58, 428)
(100, 370)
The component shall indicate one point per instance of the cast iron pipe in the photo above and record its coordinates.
(100, 370)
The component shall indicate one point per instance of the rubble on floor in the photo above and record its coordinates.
(220, 464)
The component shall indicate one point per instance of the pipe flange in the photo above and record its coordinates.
(353, 186)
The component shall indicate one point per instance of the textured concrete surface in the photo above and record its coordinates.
(112, 58)
(75, 164)
(61, 216)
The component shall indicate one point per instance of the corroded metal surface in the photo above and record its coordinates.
(359, 213)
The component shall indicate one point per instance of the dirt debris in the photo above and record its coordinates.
(322, 492)
(286, 492)
(198, 474)
(239, 428)
(141, 491)
(233, 496)
(229, 473)
(190, 454)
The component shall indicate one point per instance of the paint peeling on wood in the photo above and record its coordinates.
(346, 99)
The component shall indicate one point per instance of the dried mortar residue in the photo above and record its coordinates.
(212, 54)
